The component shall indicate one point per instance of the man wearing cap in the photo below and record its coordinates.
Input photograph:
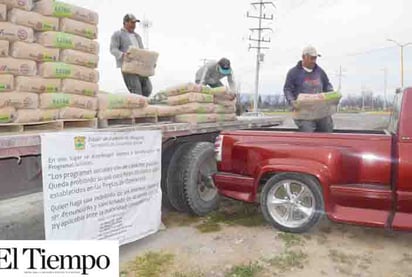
(212, 72)
(120, 42)
(308, 77)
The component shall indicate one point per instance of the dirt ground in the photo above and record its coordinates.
(235, 241)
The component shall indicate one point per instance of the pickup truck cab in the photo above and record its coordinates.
(353, 177)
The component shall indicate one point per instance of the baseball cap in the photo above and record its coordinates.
(311, 51)
(130, 17)
(224, 66)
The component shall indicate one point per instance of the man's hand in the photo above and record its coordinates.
(294, 104)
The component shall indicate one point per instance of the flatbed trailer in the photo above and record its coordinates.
(20, 163)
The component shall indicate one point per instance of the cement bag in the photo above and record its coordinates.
(196, 118)
(68, 71)
(223, 94)
(62, 100)
(37, 115)
(20, 4)
(164, 110)
(19, 100)
(225, 103)
(13, 32)
(79, 87)
(7, 115)
(79, 58)
(149, 111)
(18, 67)
(308, 99)
(221, 109)
(6, 83)
(190, 98)
(139, 61)
(4, 48)
(316, 106)
(195, 108)
(76, 113)
(37, 84)
(121, 101)
(60, 9)
(114, 113)
(3, 12)
(67, 41)
(33, 51)
(226, 117)
(78, 28)
(33, 20)
(185, 88)
(314, 112)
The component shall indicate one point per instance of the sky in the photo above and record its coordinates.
(351, 34)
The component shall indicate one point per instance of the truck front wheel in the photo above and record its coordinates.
(292, 202)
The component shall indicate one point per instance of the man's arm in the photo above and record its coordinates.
(201, 75)
(232, 83)
(115, 46)
(289, 87)
(326, 85)
(139, 41)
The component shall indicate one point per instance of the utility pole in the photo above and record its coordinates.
(260, 39)
(340, 75)
(401, 46)
(146, 25)
(385, 86)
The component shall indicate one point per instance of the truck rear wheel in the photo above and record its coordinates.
(197, 168)
(292, 202)
(174, 184)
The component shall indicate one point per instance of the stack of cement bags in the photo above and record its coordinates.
(225, 104)
(123, 106)
(199, 104)
(77, 62)
(47, 61)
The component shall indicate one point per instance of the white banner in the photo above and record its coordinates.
(101, 186)
(59, 258)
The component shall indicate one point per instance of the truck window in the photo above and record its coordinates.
(394, 120)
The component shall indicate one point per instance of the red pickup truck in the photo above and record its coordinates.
(354, 177)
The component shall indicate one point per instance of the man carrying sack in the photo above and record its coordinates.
(121, 41)
(308, 79)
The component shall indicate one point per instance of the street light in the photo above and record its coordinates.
(401, 46)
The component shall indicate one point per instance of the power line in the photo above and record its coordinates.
(258, 42)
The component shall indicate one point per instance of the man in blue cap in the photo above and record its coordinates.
(212, 72)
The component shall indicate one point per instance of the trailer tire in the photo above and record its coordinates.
(197, 167)
(174, 185)
(287, 195)
(167, 155)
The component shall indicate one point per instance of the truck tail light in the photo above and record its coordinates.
(218, 148)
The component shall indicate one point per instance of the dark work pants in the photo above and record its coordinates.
(137, 84)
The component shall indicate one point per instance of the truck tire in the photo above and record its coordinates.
(292, 202)
(197, 168)
(174, 185)
(166, 157)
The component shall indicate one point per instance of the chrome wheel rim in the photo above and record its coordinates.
(291, 203)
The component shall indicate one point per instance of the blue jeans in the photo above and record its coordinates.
(323, 125)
